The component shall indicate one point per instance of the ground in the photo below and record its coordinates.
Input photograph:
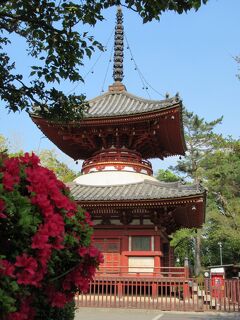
(131, 314)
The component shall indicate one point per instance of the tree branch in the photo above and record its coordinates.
(35, 22)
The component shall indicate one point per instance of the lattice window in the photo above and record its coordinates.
(107, 245)
(141, 243)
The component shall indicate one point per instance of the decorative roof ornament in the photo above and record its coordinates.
(118, 47)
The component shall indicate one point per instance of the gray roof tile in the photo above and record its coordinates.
(146, 190)
(123, 103)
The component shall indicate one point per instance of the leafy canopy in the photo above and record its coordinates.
(215, 161)
(200, 140)
(222, 176)
(56, 41)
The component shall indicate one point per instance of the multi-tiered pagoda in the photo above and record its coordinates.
(133, 213)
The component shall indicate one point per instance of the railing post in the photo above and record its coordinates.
(120, 289)
(186, 290)
(186, 268)
(154, 290)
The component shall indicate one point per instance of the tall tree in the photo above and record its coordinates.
(222, 178)
(183, 242)
(201, 140)
(55, 38)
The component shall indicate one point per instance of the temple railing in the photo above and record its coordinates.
(143, 272)
(161, 294)
(119, 158)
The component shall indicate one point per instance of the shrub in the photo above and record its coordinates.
(46, 254)
(54, 313)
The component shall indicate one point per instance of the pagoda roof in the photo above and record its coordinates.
(121, 103)
(187, 202)
(144, 190)
(154, 127)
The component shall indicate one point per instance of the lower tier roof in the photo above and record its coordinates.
(172, 205)
(143, 190)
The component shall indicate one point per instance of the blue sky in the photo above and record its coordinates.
(191, 54)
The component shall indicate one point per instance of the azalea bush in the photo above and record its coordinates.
(46, 254)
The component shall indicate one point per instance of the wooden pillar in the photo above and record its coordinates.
(171, 256)
(124, 259)
(157, 259)
(157, 243)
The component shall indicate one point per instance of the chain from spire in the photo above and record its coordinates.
(118, 47)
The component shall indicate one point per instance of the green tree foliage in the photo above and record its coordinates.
(166, 175)
(222, 178)
(201, 141)
(62, 171)
(183, 243)
(55, 37)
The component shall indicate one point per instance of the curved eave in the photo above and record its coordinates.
(183, 214)
(186, 202)
(118, 118)
(146, 202)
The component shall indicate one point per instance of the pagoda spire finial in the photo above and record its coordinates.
(118, 47)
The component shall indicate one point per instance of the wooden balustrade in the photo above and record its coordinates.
(161, 293)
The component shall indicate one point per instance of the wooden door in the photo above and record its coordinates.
(111, 252)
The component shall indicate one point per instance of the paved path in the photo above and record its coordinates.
(130, 314)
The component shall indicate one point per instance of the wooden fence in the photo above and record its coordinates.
(170, 294)
(143, 272)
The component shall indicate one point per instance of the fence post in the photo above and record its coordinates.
(120, 289)
(186, 268)
(186, 290)
(154, 290)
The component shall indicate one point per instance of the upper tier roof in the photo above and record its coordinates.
(121, 103)
(118, 118)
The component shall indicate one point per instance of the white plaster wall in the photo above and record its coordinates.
(141, 264)
(104, 178)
